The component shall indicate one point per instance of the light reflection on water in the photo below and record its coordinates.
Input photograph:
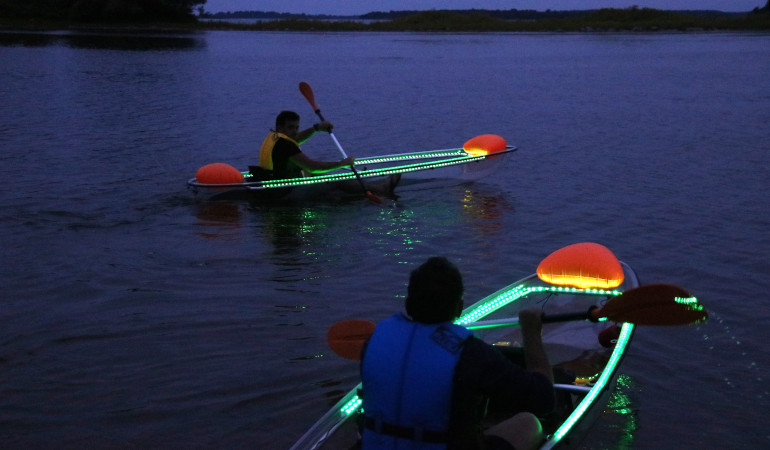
(135, 315)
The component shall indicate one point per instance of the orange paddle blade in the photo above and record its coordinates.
(347, 338)
(654, 304)
(371, 196)
(307, 91)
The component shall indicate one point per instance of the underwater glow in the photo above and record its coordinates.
(584, 265)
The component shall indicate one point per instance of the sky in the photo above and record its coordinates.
(356, 7)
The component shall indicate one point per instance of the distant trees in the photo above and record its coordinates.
(100, 11)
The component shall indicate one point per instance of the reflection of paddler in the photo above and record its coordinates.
(218, 218)
(280, 156)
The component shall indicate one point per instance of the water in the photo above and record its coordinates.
(135, 316)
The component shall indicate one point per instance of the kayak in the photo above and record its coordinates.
(585, 354)
(477, 158)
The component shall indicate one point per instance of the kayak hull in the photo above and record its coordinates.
(380, 174)
(586, 367)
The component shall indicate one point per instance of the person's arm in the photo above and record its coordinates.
(304, 135)
(534, 352)
(316, 167)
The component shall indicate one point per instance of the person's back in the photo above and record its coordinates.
(425, 379)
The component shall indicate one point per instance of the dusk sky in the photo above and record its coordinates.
(355, 7)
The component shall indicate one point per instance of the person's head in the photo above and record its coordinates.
(287, 122)
(435, 292)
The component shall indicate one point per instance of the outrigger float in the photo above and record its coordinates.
(477, 158)
(591, 303)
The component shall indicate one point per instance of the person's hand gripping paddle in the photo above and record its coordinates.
(650, 304)
(307, 91)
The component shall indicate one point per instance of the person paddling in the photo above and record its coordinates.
(426, 381)
(280, 156)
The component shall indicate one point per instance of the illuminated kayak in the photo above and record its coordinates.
(476, 159)
(591, 303)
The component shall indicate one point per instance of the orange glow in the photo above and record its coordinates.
(218, 173)
(585, 265)
(485, 144)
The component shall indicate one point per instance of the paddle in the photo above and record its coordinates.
(307, 91)
(651, 304)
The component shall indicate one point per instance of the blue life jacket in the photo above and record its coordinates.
(407, 374)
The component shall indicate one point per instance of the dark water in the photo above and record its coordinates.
(133, 315)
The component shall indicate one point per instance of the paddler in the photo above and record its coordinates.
(280, 156)
(426, 380)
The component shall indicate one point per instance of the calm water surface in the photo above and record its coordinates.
(134, 315)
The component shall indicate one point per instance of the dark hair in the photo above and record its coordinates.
(285, 116)
(435, 291)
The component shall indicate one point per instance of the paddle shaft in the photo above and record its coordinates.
(551, 318)
(307, 92)
(342, 151)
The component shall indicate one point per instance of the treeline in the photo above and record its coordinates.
(100, 11)
(608, 19)
(512, 14)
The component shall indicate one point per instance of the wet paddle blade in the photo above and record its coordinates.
(371, 196)
(347, 338)
(654, 304)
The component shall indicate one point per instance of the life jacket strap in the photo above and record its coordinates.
(414, 434)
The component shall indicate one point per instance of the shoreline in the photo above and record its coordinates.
(606, 20)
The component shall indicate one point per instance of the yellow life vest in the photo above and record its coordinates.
(266, 151)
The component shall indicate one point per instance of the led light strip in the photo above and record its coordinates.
(408, 156)
(270, 184)
(598, 388)
(517, 292)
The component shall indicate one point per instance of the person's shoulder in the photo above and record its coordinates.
(287, 146)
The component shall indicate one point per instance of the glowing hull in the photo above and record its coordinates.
(414, 168)
(572, 347)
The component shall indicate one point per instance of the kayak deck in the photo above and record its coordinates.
(586, 371)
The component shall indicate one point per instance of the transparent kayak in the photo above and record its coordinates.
(413, 168)
(578, 350)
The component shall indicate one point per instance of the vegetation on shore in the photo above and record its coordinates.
(66, 13)
(608, 19)
(180, 14)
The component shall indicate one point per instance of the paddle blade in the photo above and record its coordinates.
(371, 196)
(346, 338)
(307, 92)
(654, 304)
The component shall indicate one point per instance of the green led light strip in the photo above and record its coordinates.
(448, 157)
(291, 182)
(408, 156)
(606, 376)
(351, 406)
(517, 292)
